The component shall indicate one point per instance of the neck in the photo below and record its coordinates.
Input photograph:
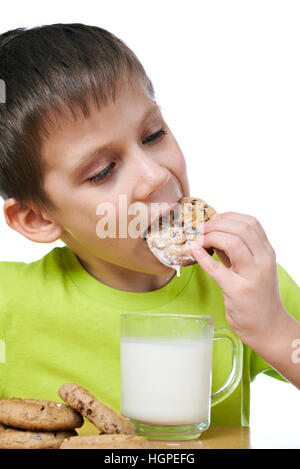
(124, 279)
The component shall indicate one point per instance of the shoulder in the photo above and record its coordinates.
(20, 279)
(28, 288)
(51, 260)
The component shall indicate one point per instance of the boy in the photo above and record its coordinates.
(80, 127)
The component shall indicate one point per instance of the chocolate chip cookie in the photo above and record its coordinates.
(33, 414)
(103, 417)
(12, 438)
(169, 237)
(120, 441)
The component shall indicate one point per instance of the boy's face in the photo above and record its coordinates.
(140, 164)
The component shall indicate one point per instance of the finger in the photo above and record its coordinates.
(255, 241)
(225, 259)
(235, 249)
(215, 269)
(249, 219)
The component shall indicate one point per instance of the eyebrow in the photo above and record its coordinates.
(87, 159)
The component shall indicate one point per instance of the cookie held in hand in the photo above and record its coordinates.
(169, 238)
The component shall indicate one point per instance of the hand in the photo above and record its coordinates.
(247, 274)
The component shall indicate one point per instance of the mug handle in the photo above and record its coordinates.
(236, 367)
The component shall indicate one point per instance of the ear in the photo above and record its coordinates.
(31, 222)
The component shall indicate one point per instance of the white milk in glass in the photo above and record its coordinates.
(166, 381)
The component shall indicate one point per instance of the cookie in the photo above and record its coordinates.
(120, 441)
(169, 237)
(103, 417)
(33, 414)
(12, 438)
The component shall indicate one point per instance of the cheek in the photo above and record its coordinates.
(177, 166)
(181, 164)
(76, 211)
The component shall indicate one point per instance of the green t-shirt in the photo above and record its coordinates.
(59, 324)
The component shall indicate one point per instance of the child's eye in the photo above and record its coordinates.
(103, 173)
(155, 136)
(101, 176)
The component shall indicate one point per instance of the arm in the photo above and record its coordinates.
(282, 348)
(249, 281)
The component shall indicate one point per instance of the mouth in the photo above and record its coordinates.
(159, 219)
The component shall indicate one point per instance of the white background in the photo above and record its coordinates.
(227, 76)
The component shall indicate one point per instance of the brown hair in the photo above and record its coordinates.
(52, 71)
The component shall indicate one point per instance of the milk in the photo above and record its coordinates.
(166, 381)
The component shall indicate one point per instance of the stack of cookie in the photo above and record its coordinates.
(36, 424)
(116, 431)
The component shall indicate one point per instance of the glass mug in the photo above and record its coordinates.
(166, 368)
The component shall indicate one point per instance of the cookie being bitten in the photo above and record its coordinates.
(169, 237)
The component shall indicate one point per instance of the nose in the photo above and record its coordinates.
(150, 176)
